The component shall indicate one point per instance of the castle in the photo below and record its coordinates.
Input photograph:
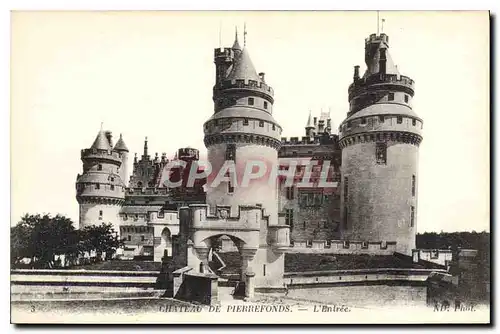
(373, 159)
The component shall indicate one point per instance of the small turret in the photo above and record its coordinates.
(310, 126)
(122, 149)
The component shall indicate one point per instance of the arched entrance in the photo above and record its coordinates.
(227, 257)
(224, 257)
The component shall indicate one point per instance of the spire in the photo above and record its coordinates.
(245, 34)
(101, 142)
(145, 147)
(120, 145)
(310, 124)
(243, 68)
(236, 45)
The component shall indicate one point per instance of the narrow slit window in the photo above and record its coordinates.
(381, 153)
(265, 104)
(412, 216)
(413, 183)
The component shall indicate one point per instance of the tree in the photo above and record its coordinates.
(101, 238)
(41, 238)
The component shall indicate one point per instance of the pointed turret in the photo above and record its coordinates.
(243, 68)
(236, 45)
(145, 154)
(120, 145)
(101, 142)
(310, 126)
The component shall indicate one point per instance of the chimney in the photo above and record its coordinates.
(262, 76)
(109, 136)
(382, 61)
(356, 72)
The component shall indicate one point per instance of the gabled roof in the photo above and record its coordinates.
(101, 142)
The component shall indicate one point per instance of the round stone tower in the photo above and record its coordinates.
(380, 140)
(100, 191)
(242, 129)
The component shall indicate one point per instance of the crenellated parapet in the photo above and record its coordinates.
(380, 82)
(248, 217)
(343, 247)
(94, 154)
(305, 140)
(240, 84)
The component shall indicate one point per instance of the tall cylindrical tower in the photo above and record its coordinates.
(242, 129)
(380, 140)
(100, 190)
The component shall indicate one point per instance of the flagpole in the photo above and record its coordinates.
(378, 22)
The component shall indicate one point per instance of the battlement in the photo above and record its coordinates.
(227, 53)
(147, 191)
(251, 214)
(245, 84)
(91, 153)
(360, 85)
(343, 247)
(374, 38)
(316, 140)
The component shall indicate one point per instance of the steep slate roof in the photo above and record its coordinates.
(120, 145)
(101, 142)
(310, 123)
(372, 64)
(243, 68)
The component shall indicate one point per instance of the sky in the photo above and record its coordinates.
(151, 74)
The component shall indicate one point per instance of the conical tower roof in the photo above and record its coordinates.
(243, 68)
(310, 123)
(101, 142)
(120, 145)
